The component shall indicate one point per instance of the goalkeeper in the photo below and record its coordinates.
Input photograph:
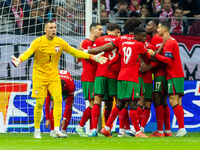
(47, 50)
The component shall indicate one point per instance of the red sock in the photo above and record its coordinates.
(95, 115)
(85, 117)
(159, 117)
(122, 118)
(139, 112)
(67, 106)
(69, 115)
(107, 114)
(113, 115)
(182, 109)
(167, 118)
(145, 117)
(51, 119)
(134, 118)
(127, 123)
(91, 127)
(179, 116)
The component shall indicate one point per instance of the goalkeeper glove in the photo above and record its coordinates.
(16, 61)
(99, 58)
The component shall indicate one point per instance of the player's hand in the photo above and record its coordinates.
(62, 125)
(151, 52)
(47, 123)
(100, 59)
(81, 46)
(78, 60)
(144, 67)
(15, 61)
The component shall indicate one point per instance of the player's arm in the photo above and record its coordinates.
(146, 55)
(79, 54)
(24, 56)
(162, 44)
(114, 60)
(97, 50)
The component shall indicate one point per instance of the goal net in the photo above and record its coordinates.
(21, 21)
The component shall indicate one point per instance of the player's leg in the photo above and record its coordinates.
(51, 119)
(148, 100)
(167, 132)
(175, 91)
(100, 89)
(88, 88)
(56, 93)
(141, 102)
(39, 92)
(116, 110)
(108, 108)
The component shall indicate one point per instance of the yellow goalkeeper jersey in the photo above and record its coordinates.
(46, 57)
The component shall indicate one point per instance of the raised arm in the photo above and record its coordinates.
(97, 50)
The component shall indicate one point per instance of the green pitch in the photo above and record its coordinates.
(25, 141)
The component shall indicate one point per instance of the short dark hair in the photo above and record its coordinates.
(180, 8)
(49, 21)
(155, 21)
(132, 23)
(112, 26)
(165, 24)
(138, 30)
(94, 25)
(63, 84)
(164, 1)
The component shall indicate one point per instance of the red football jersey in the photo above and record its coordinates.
(172, 59)
(159, 70)
(130, 60)
(102, 69)
(69, 86)
(89, 66)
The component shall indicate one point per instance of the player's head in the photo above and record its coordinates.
(140, 34)
(119, 31)
(112, 28)
(152, 26)
(50, 29)
(132, 23)
(163, 27)
(63, 84)
(96, 29)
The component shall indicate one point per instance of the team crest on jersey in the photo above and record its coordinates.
(57, 48)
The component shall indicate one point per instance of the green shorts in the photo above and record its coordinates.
(88, 88)
(160, 84)
(176, 86)
(64, 94)
(128, 90)
(149, 92)
(104, 85)
(142, 86)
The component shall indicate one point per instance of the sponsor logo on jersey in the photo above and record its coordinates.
(57, 48)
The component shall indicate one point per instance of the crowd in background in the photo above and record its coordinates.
(29, 15)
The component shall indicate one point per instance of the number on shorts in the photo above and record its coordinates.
(111, 56)
(127, 54)
(158, 85)
(63, 72)
(168, 86)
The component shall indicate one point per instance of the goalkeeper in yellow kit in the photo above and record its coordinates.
(47, 50)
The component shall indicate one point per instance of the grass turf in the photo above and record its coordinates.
(25, 141)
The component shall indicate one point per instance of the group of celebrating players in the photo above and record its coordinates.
(123, 72)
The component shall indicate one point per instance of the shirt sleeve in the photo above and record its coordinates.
(115, 43)
(32, 48)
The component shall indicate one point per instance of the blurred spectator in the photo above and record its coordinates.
(144, 12)
(16, 13)
(195, 28)
(190, 7)
(178, 25)
(44, 6)
(149, 3)
(157, 5)
(32, 25)
(175, 3)
(104, 14)
(107, 2)
(167, 11)
(79, 23)
(134, 6)
(113, 3)
(121, 9)
(31, 4)
(70, 9)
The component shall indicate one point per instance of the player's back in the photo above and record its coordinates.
(89, 66)
(124, 38)
(103, 68)
(46, 57)
(174, 70)
(69, 82)
(130, 60)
